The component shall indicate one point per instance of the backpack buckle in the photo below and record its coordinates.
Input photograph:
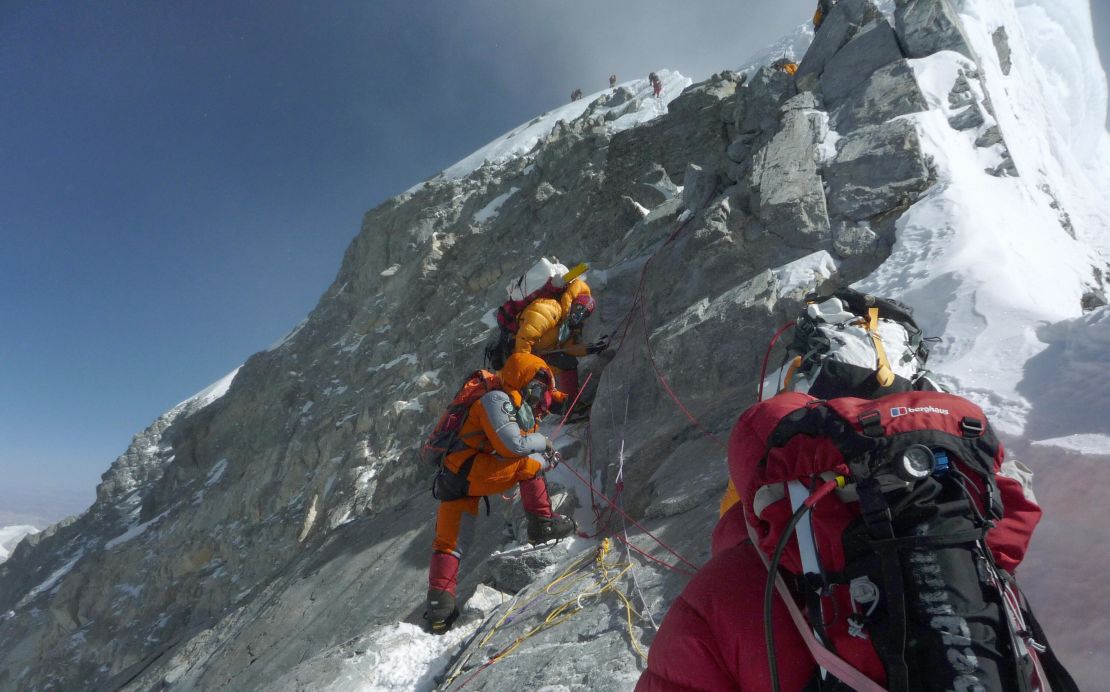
(972, 427)
(872, 423)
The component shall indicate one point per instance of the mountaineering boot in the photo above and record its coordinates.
(441, 613)
(541, 529)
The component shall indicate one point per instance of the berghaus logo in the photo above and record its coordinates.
(907, 410)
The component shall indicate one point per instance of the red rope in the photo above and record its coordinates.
(637, 297)
(651, 557)
(570, 408)
(767, 356)
(667, 387)
(635, 523)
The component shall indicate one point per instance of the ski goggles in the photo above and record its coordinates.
(534, 392)
(578, 314)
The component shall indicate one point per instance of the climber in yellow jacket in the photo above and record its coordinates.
(551, 328)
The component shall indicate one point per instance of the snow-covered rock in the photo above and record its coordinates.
(10, 536)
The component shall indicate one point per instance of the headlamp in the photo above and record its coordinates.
(916, 462)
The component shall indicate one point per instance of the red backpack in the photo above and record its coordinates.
(444, 438)
(891, 519)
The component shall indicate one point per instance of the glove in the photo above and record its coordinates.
(598, 346)
(552, 457)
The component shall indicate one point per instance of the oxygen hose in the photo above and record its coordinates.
(767, 355)
(773, 567)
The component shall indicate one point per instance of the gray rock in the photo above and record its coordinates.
(1062, 214)
(698, 187)
(876, 170)
(654, 187)
(888, 93)
(543, 193)
(967, 119)
(802, 102)
(961, 93)
(1005, 169)
(990, 137)
(962, 85)
(704, 94)
(925, 27)
(788, 196)
(761, 100)
(873, 47)
(513, 572)
(741, 148)
(844, 21)
(1002, 47)
(1093, 300)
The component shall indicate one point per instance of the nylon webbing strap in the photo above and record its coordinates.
(884, 375)
(824, 658)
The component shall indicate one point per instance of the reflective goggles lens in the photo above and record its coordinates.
(578, 314)
(534, 391)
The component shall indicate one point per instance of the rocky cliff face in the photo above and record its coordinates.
(254, 541)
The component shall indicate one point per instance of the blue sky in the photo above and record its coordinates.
(180, 180)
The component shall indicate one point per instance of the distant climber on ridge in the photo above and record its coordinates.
(552, 329)
(499, 447)
(786, 65)
(612, 81)
(576, 94)
(656, 84)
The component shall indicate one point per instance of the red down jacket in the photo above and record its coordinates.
(712, 637)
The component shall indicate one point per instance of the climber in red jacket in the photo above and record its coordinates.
(713, 637)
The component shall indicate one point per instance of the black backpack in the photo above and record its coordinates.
(855, 344)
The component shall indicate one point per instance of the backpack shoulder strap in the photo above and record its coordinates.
(825, 658)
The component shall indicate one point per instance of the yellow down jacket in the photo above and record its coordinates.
(540, 322)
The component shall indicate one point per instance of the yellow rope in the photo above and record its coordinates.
(611, 573)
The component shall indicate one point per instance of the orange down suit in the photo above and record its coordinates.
(503, 454)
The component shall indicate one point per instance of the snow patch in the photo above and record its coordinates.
(134, 531)
(408, 358)
(403, 656)
(983, 259)
(493, 208)
(52, 580)
(216, 473)
(10, 536)
(1093, 444)
(806, 273)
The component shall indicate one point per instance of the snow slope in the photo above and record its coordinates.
(10, 536)
(988, 261)
(521, 140)
(997, 266)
